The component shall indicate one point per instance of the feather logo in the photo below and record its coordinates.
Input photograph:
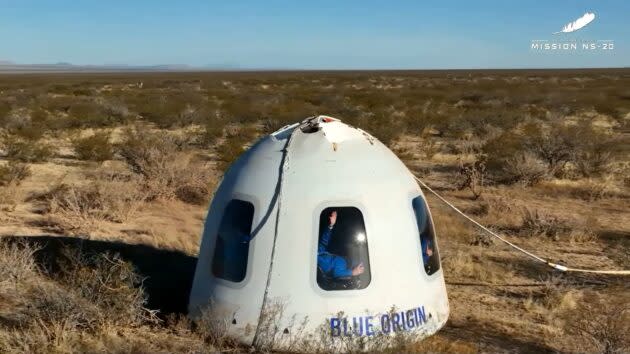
(577, 24)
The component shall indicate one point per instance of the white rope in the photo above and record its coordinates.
(527, 253)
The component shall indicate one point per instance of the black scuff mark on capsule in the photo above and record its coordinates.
(334, 145)
(367, 136)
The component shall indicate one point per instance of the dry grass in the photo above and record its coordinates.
(600, 324)
(84, 303)
(12, 173)
(554, 180)
(471, 265)
(80, 208)
(438, 344)
(166, 171)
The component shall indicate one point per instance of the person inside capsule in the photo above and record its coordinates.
(430, 257)
(330, 264)
(427, 249)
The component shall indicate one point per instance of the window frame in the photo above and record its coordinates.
(418, 236)
(317, 211)
(252, 243)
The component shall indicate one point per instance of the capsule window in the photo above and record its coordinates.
(342, 250)
(232, 245)
(428, 246)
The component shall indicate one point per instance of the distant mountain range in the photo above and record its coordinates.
(11, 67)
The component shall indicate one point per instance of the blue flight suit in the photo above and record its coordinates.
(329, 263)
(425, 243)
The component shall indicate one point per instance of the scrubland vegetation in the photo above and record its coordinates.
(127, 163)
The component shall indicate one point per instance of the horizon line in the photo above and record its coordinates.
(163, 68)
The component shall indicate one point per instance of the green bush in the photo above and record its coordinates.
(555, 144)
(25, 150)
(5, 109)
(234, 145)
(212, 130)
(175, 109)
(139, 145)
(88, 114)
(56, 103)
(95, 147)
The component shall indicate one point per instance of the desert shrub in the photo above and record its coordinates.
(18, 148)
(88, 114)
(526, 168)
(27, 125)
(607, 108)
(176, 109)
(10, 198)
(539, 224)
(596, 151)
(166, 171)
(375, 125)
(590, 189)
(481, 121)
(280, 110)
(429, 147)
(551, 300)
(593, 162)
(500, 148)
(95, 147)
(32, 132)
(560, 143)
(212, 130)
(140, 146)
(107, 281)
(517, 155)
(135, 137)
(594, 189)
(500, 212)
(115, 108)
(56, 103)
(605, 329)
(78, 209)
(482, 238)
(554, 144)
(228, 152)
(472, 176)
(16, 262)
(70, 304)
(82, 92)
(13, 173)
(5, 109)
(466, 146)
(234, 144)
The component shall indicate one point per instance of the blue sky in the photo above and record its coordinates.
(309, 35)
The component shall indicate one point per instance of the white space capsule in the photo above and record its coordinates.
(319, 238)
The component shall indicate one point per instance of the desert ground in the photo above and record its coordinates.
(105, 180)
